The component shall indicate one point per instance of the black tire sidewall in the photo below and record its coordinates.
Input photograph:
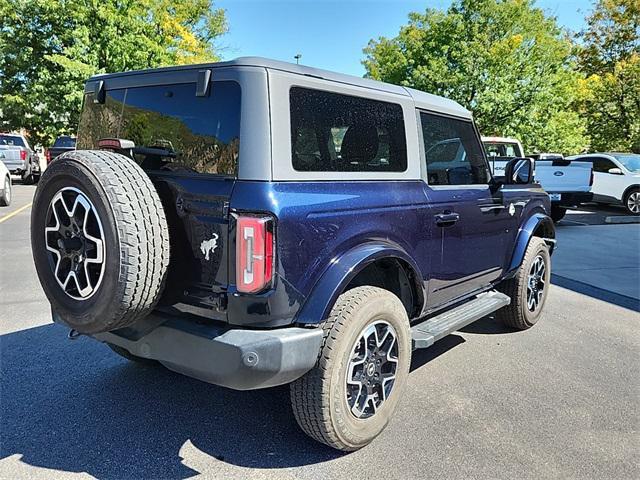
(87, 315)
(535, 249)
(351, 430)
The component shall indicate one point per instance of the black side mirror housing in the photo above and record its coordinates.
(519, 171)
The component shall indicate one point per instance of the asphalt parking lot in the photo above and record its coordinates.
(557, 401)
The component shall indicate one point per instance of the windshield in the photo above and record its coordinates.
(65, 142)
(502, 149)
(631, 162)
(171, 127)
(13, 140)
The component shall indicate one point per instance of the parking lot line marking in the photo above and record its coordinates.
(13, 214)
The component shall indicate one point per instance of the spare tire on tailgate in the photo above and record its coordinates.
(100, 240)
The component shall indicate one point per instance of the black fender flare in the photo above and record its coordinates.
(343, 269)
(525, 232)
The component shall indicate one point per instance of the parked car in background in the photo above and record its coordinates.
(63, 143)
(567, 182)
(616, 178)
(360, 222)
(20, 158)
(5, 183)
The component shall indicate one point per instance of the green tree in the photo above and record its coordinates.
(48, 48)
(504, 60)
(610, 58)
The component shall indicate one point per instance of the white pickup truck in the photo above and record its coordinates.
(19, 157)
(568, 182)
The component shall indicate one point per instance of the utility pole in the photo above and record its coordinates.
(297, 56)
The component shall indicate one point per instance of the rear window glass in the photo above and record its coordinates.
(65, 142)
(331, 132)
(172, 128)
(502, 150)
(13, 140)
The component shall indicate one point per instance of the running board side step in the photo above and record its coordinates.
(433, 329)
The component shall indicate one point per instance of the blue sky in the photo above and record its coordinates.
(331, 34)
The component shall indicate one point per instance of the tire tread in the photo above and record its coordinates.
(310, 395)
(142, 231)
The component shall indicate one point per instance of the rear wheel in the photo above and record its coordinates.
(5, 198)
(632, 202)
(28, 177)
(557, 213)
(528, 289)
(347, 399)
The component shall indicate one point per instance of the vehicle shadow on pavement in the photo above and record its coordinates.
(78, 407)
(75, 406)
(488, 326)
(423, 356)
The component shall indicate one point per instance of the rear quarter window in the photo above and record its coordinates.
(171, 127)
(331, 132)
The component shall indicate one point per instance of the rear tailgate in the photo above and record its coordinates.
(562, 175)
(188, 145)
(12, 157)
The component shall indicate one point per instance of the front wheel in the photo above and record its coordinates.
(632, 202)
(528, 289)
(347, 399)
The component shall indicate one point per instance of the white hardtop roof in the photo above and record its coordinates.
(500, 139)
(422, 100)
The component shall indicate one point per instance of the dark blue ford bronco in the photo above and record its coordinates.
(254, 223)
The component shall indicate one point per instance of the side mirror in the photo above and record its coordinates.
(519, 171)
(615, 171)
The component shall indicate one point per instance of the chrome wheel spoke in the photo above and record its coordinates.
(536, 283)
(75, 240)
(372, 369)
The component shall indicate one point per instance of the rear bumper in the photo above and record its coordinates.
(572, 199)
(15, 167)
(235, 358)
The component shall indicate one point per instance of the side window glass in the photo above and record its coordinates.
(306, 149)
(452, 152)
(331, 132)
(602, 165)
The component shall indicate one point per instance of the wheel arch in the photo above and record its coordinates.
(362, 265)
(537, 225)
(628, 190)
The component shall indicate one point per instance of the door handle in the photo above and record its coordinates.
(447, 219)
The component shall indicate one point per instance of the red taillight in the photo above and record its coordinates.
(47, 154)
(115, 144)
(23, 154)
(254, 253)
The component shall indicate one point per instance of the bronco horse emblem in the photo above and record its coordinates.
(209, 246)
